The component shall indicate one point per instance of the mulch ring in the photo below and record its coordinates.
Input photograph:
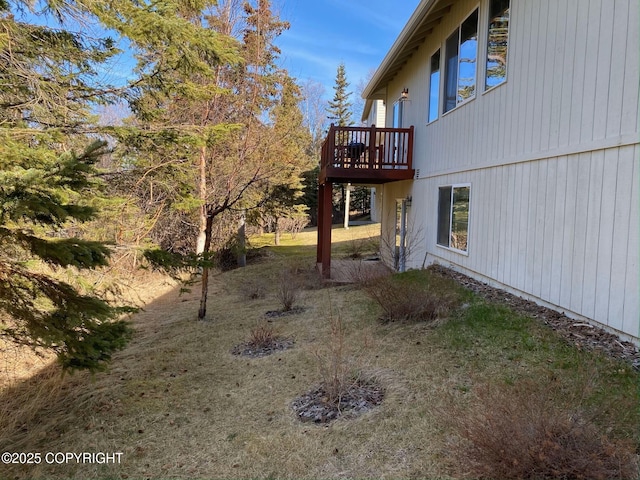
(248, 349)
(582, 335)
(315, 405)
(284, 313)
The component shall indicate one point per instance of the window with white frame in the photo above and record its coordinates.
(453, 216)
(497, 42)
(460, 60)
(434, 86)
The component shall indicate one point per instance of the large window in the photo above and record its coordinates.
(497, 42)
(434, 86)
(460, 59)
(453, 217)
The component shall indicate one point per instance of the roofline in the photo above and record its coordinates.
(411, 30)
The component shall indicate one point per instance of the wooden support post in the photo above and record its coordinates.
(327, 209)
(373, 161)
(320, 223)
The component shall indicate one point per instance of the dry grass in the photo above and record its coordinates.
(401, 298)
(179, 404)
(525, 432)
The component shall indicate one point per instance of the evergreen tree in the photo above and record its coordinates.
(219, 146)
(339, 109)
(47, 180)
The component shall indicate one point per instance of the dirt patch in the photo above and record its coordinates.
(582, 335)
(249, 350)
(315, 406)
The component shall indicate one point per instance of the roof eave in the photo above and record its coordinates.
(411, 37)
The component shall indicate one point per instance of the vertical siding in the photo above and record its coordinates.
(590, 73)
(552, 157)
(572, 81)
(564, 230)
(592, 240)
(632, 270)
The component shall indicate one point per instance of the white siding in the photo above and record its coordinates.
(563, 230)
(552, 156)
(572, 86)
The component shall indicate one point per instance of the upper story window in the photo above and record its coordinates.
(460, 59)
(434, 86)
(497, 41)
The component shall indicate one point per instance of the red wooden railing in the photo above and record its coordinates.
(367, 148)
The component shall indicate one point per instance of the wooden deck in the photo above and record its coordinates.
(359, 155)
(367, 155)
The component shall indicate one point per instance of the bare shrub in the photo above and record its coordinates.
(520, 432)
(262, 335)
(334, 369)
(358, 247)
(294, 224)
(363, 273)
(425, 300)
(344, 388)
(263, 340)
(254, 288)
(288, 291)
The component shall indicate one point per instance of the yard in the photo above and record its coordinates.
(177, 403)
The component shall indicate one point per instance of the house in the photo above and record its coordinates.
(524, 150)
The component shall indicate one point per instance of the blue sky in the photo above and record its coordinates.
(323, 33)
(327, 32)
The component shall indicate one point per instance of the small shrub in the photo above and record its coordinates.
(334, 369)
(344, 390)
(254, 289)
(418, 300)
(263, 335)
(358, 247)
(294, 224)
(288, 291)
(263, 340)
(363, 272)
(519, 432)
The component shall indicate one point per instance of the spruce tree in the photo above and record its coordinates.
(339, 112)
(217, 147)
(339, 109)
(47, 182)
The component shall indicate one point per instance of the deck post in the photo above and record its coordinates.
(320, 223)
(324, 228)
(372, 148)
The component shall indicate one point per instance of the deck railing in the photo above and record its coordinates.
(367, 148)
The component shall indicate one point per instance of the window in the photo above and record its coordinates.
(398, 113)
(434, 86)
(453, 216)
(497, 41)
(460, 59)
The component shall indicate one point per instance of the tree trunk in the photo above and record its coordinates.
(276, 230)
(347, 205)
(202, 193)
(205, 270)
(242, 254)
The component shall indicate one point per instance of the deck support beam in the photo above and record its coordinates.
(325, 208)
